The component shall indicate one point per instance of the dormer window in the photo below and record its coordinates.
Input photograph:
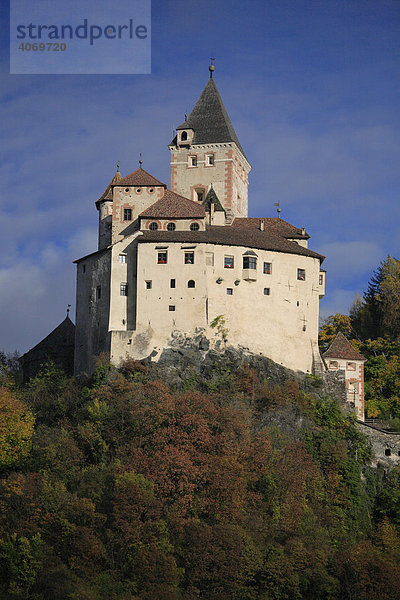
(194, 227)
(184, 136)
(153, 226)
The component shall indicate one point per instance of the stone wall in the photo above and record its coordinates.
(385, 445)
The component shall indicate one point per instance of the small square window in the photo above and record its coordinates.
(267, 269)
(172, 283)
(171, 308)
(229, 262)
(189, 258)
(321, 280)
(229, 291)
(333, 364)
(162, 258)
(149, 285)
(301, 274)
(388, 452)
(193, 161)
(98, 292)
(123, 289)
(127, 214)
(266, 291)
(122, 258)
(210, 159)
(351, 366)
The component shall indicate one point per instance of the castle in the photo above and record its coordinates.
(177, 262)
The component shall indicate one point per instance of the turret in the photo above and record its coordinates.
(206, 151)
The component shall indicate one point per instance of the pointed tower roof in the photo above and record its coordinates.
(209, 119)
(341, 348)
(212, 198)
(107, 194)
(139, 177)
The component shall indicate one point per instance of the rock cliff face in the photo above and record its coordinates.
(192, 359)
(191, 363)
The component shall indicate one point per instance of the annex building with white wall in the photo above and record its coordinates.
(176, 261)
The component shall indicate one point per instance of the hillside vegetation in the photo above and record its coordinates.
(123, 488)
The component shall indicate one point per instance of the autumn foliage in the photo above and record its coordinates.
(134, 491)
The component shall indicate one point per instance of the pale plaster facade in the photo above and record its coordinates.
(171, 262)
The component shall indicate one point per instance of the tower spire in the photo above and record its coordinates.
(211, 68)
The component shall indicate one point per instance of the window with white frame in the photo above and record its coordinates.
(229, 262)
(162, 258)
(189, 258)
(123, 289)
(192, 161)
(267, 268)
(301, 274)
(122, 258)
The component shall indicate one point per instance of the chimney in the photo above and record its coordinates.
(261, 224)
(303, 231)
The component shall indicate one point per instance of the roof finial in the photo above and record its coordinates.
(140, 161)
(211, 68)
(278, 210)
(68, 307)
(118, 166)
(185, 116)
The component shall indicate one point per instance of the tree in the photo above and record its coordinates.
(16, 429)
(390, 296)
(331, 327)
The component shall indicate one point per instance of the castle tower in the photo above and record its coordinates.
(206, 151)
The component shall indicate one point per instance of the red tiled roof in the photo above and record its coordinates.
(173, 206)
(341, 348)
(107, 194)
(140, 177)
(271, 224)
(229, 236)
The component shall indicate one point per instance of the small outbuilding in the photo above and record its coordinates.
(58, 347)
(341, 355)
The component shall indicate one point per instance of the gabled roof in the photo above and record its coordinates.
(209, 119)
(212, 198)
(228, 236)
(174, 206)
(271, 224)
(107, 194)
(140, 177)
(341, 348)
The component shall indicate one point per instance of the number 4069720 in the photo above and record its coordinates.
(43, 47)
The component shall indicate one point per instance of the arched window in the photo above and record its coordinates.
(184, 135)
(194, 227)
(191, 283)
(153, 226)
(171, 226)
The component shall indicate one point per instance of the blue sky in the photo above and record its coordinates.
(312, 89)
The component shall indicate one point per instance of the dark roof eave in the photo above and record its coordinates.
(78, 260)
